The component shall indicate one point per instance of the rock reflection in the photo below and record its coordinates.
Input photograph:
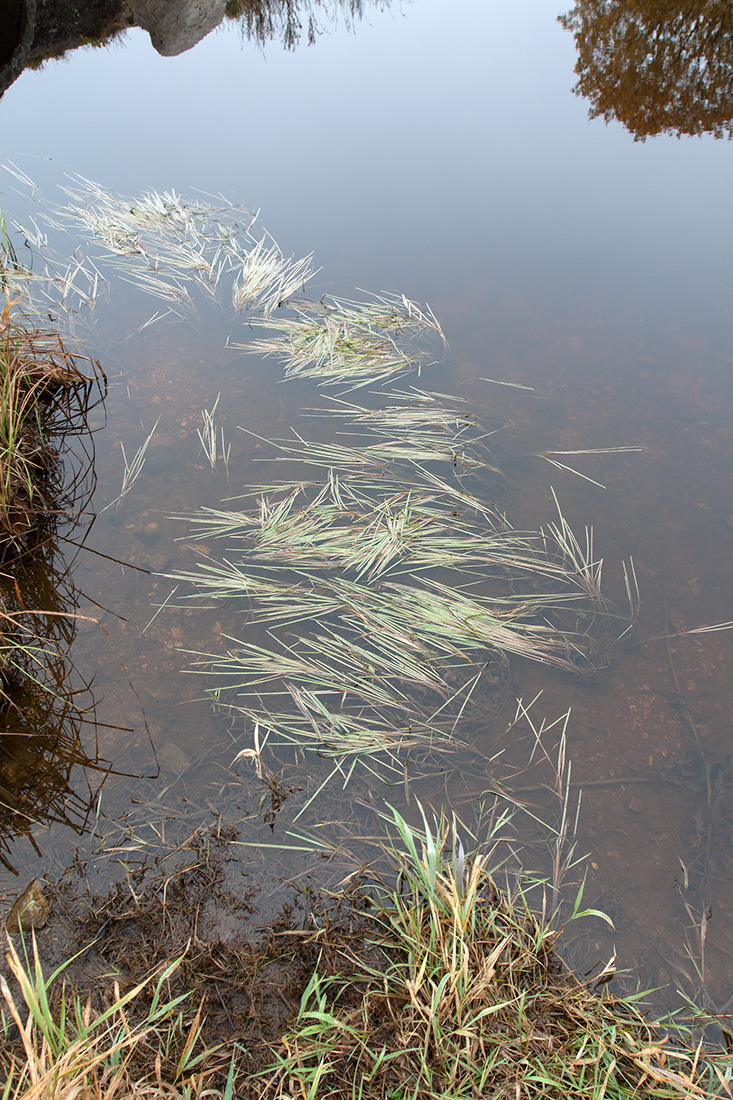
(35, 31)
(656, 66)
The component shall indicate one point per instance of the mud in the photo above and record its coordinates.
(197, 904)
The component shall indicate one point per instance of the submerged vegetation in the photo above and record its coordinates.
(382, 590)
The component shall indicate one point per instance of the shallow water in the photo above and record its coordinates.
(440, 154)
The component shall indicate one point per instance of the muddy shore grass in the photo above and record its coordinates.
(444, 983)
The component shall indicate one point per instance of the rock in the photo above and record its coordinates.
(31, 909)
(175, 26)
(173, 757)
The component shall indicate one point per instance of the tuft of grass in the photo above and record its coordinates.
(44, 393)
(67, 1049)
(464, 995)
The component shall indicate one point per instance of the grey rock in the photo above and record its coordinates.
(175, 26)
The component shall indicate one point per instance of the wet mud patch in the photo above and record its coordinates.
(197, 905)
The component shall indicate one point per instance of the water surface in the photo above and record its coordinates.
(439, 153)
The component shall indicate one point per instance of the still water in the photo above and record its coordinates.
(439, 152)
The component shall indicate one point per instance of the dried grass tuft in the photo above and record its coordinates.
(44, 395)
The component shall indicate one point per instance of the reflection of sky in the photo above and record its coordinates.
(438, 146)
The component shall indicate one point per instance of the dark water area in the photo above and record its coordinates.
(439, 153)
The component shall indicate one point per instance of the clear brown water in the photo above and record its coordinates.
(441, 154)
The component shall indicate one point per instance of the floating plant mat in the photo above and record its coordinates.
(384, 592)
(381, 586)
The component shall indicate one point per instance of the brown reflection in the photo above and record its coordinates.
(657, 66)
(47, 713)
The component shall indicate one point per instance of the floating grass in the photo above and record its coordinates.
(339, 341)
(185, 253)
(166, 245)
(387, 588)
(382, 578)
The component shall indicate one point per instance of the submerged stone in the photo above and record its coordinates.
(30, 910)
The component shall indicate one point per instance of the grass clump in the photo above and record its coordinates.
(341, 341)
(466, 997)
(44, 394)
(67, 1050)
(442, 984)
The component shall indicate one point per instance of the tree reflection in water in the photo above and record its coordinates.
(287, 20)
(656, 66)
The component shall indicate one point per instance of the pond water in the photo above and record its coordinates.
(438, 152)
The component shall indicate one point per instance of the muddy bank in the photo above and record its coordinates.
(198, 905)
